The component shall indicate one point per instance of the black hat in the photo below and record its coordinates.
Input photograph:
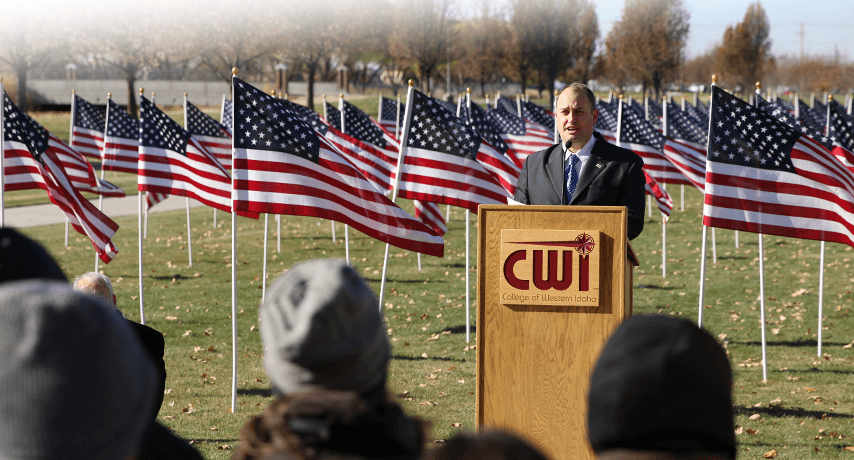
(661, 384)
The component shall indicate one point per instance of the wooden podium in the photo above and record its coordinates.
(535, 349)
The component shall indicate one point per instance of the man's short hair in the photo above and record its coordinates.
(581, 88)
(95, 283)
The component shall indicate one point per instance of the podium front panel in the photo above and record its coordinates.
(534, 361)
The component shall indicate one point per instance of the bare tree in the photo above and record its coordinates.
(419, 36)
(483, 42)
(548, 34)
(23, 51)
(745, 54)
(648, 42)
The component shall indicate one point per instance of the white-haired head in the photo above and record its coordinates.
(96, 284)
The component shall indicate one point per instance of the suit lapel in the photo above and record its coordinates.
(592, 168)
(554, 170)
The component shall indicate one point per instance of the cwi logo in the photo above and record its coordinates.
(550, 267)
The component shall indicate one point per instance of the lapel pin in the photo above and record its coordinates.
(599, 165)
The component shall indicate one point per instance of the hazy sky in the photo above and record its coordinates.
(827, 23)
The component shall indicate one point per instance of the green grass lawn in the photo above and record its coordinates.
(804, 410)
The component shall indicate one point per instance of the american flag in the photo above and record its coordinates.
(389, 112)
(449, 106)
(684, 146)
(537, 114)
(638, 135)
(357, 124)
(606, 123)
(654, 113)
(172, 162)
(283, 166)
(31, 162)
(441, 162)
(121, 140)
(662, 198)
(842, 131)
(765, 177)
(815, 116)
(226, 114)
(79, 171)
(699, 112)
(832, 143)
(87, 127)
(210, 134)
(523, 136)
(507, 105)
(480, 121)
(431, 215)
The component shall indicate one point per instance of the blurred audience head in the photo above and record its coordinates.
(487, 445)
(330, 424)
(661, 389)
(96, 284)
(73, 381)
(22, 258)
(322, 330)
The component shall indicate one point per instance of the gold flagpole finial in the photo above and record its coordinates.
(234, 71)
(556, 92)
(468, 90)
(109, 95)
(340, 96)
(153, 94)
(758, 86)
(73, 91)
(287, 96)
(142, 91)
(185, 94)
(715, 79)
(411, 83)
(829, 97)
(273, 92)
(620, 97)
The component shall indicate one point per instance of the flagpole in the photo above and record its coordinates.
(663, 223)
(468, 236)
(233, 266)
(821, 255)
(189, 229)
(221, 116)
(2, 156)
(761, 277)
(141, 282)
(346, 227)
(398, 172)
(326, 117)
(264, 268)
(70, 131)
(397, 120)
(554, 108)
(705, 229)
(519, 105)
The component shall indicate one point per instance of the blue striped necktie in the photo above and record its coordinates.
(571, 176)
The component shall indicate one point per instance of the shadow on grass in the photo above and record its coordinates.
(263, 392)
(459, 329)
(393, 280)
(431, 358)
(176, 276)
(733, 257)
(654, 286)
(779, 411)
(798, 343)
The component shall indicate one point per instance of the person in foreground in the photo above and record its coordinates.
(661, 390)
(488, 444)
(71, 383)
(152, 340)
(326, 353)
(584, 169)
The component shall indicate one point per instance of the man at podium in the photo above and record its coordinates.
(584, 169)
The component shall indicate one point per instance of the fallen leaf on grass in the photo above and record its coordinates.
(770, 454)
(755, 417)
(188, 409)
(223, 447)
(186, 334)
(430, 376)
(461, 381)
(848, 448)
(849, 345)
(751, 431)
(775, 331)
(171, 318)
(423, 355)
(429, 403)
(809, 389)
(739, 430)
(799, 292)
(168, 417)
(456, 425)
(213, 428)
(776, 401)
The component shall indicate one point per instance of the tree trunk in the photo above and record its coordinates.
(131, 81)
(22, 90)
(311, 71)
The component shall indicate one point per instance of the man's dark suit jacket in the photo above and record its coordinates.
(612, 176)
(155, 346)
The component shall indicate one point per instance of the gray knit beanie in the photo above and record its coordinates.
(74, 382)
(321, 328)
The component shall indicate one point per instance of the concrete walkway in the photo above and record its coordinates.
(47, 214)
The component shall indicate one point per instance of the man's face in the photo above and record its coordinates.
(575, 118)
